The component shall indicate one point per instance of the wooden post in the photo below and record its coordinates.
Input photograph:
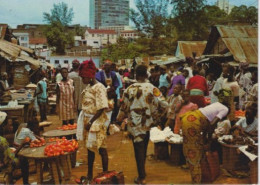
(39, 172)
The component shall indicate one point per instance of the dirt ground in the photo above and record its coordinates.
(121, 158)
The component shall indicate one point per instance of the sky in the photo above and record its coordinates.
(15, 12)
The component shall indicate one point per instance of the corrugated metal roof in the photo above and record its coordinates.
(12, 52)
(237, 31)
(187, 47)
(241, 42)
(2, 30)
(243, 49)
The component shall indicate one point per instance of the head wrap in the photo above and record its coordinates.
(75, 62)
(87, 69)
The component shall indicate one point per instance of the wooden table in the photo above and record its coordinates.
(58, 164)
(17, 111)
(59, 133)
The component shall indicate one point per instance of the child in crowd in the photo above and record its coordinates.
(186, 106)
(25, 130)
(162, 108)
(174, 104)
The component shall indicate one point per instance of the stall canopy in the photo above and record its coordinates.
(13, 52)
(186, 48)
(240, 41)
(168, 61)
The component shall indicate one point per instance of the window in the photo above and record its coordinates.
(44, 47)
(66, 61)
(57, 61)
(103, 35)
(22, 38)
(93, 35)
(95, 42)
(112, 36)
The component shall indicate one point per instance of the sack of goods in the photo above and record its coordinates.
(109, 177)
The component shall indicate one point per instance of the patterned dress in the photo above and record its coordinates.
(66, 103)
(94, 98)
(7, 158)
(193, 123)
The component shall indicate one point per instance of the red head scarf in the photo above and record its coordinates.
(87, 69)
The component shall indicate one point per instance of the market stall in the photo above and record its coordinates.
(60, 166)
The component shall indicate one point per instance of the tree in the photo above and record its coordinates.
(244, 14)
(150, 17)
(57, 32)
(60, 13)
(186, 18)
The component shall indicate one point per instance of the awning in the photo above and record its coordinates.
(35, 64)
(169, 61)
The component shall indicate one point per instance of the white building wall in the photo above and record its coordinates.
(97, 40)
(23, 39)
(61, 60)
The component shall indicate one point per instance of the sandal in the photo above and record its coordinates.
(139, 181)
(83, 180)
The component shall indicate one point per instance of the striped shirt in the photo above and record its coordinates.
(66, 103)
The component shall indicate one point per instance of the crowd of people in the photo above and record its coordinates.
(147, 96)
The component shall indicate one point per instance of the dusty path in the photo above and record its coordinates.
(121, 158)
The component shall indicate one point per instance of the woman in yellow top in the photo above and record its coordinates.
(95, 117)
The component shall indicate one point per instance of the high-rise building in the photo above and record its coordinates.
(104, 13)
(224, 5)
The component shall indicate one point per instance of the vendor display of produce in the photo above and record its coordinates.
(68, 127)
(240, 113)
(36, 143)
(237, 137)
(60, 147)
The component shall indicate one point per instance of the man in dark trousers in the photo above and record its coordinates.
(139, 106)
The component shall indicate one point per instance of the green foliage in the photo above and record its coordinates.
(150, 17)
(57, 32)
(187, 8)
(59, 37)
(60, 13)
(244, 14)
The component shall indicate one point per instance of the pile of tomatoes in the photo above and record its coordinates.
(239, 113)
(68, 127)
(60, 147)
(37, 143)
